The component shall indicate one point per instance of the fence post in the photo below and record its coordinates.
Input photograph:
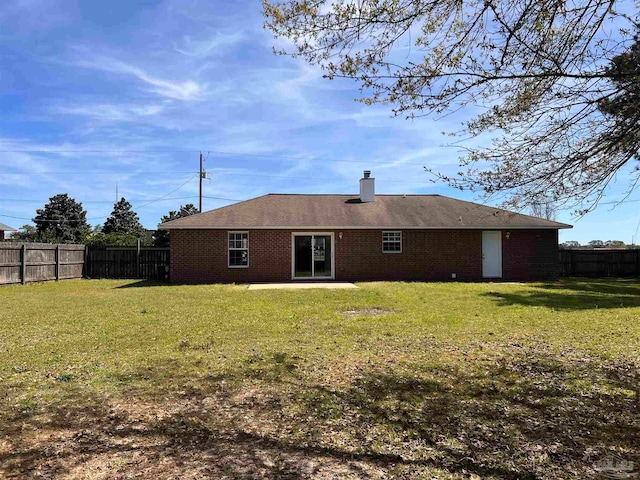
(57, 262)
(138, 259)
(24, 264)
(85, 263)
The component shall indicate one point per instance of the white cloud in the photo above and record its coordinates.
(295, 87)
(217, 44)
(174, 89)
(111, 112)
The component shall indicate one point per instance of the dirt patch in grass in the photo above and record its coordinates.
(366, 312)
(171, 439)
(517, 410)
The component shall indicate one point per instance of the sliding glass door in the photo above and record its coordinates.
(303, 256)
(312, 256)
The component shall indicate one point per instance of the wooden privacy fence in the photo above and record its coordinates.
(600, 263)
(37, 262)
(127, 262)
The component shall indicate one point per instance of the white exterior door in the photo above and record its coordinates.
(492, 254)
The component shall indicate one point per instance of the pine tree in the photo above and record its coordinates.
(62, 220)
(123, 221)
(161, 237)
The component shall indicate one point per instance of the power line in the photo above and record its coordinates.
(20, 200)
(159, 199)
(167, 194)
(221, 198)
(299, 177)
(98, 172)
(214, 174)
(635, 235)
(620, 201)
(54, 151)
(214, 152)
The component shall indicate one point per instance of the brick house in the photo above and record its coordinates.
(5, 228)
(285, 237)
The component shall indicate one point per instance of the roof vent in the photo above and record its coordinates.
(367, 188)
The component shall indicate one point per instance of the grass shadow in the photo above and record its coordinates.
(616, 286)
(145, 283)
(574, 295)
(524, 412)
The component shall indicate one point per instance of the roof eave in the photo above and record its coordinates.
(375, 227)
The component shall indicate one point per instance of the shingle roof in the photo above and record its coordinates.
(6, 228)
(276, 211)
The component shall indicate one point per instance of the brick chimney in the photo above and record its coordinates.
(367, 188)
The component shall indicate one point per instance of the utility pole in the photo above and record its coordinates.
(202, 174)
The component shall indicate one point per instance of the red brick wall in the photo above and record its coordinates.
(200, 256)
(529, 255)
(426, 255)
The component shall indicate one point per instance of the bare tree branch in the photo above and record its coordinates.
(562, 107)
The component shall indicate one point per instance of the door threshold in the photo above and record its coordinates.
(301, 285)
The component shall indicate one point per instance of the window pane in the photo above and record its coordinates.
(238, 258)
(391, 236)
(303, 256)
(238, 240)
(322, 256)
(391, 247)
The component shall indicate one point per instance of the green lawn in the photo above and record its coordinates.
(124, 379)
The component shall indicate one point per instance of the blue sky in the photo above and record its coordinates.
(94, 94)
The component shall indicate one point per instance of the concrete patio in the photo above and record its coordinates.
(300, 285)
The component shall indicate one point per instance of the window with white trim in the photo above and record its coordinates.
(238, 249)
(391, 242)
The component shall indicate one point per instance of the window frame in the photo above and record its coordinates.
(229, 248)
(387, 242)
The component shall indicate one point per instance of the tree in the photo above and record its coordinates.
(161, 237)
(100, 239)
(549, 78)
(62, 220)
(123, 221)
(26, 233)
(596, 243)
(544, 209)
(571, 244)
(614, 244)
